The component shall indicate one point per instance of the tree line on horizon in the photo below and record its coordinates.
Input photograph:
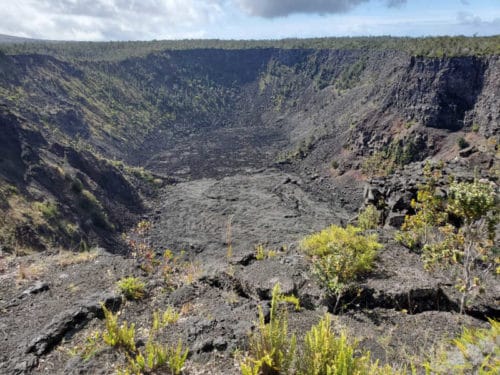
(433, 47)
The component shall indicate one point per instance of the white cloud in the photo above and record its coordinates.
(108, 19)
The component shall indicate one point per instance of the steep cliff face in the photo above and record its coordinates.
(439, 92)
(54, 195)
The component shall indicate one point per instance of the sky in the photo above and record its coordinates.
(99, 20)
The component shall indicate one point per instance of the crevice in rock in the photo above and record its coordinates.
(224, 281)
(413, 302)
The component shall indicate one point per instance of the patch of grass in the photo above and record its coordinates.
(48, 209)
(192, 271)
(324, 352)
(89, 348)
(131, 287)
(154, 355)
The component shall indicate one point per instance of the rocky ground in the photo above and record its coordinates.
(51, 304)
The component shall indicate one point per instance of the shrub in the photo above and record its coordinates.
(472, 245)
(131, 287)
(468, 245)
(369, 218)
(76, 185)
(340, 256)
(271, 348)
(335, 239)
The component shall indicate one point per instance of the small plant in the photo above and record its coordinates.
(131, 287)
(340, 256)
(141, 250)
(271, 348)
(291, 300)
(118, 336)
(475, 128)
(369, 218)
(262, 253)
(156, 356)
(176, 357)
(324, 353)
(172, 267)
(89, 348)
(169, 316)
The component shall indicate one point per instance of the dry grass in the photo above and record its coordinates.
(192, 271)
(29, 272)
(67, 258)
(187, 309)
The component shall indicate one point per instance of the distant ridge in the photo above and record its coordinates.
(5, 39)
